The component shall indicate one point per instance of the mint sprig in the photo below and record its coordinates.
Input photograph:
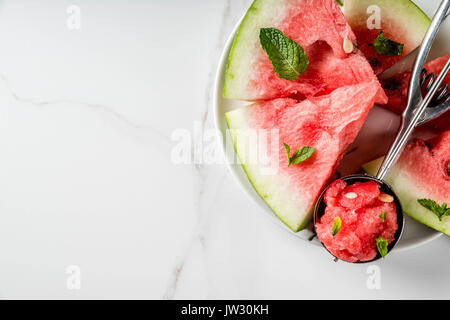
(386, 46)
(288, 58)
(340, 2)
(383, 216)
(299, 155)
(337, 223)
(433, 206)
(382, 246)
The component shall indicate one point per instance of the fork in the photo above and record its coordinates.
(441, 102)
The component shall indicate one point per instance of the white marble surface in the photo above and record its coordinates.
(86, 177)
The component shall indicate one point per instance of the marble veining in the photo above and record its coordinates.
(87, 182)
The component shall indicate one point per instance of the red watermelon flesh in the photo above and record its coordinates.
(428, 162)
(325, 74)
(396, 89)
(367, 193)
(378, 62)
(328, 123)
(320, 28)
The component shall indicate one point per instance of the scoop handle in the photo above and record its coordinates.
(416, 105)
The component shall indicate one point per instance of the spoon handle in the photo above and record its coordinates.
(416, 105)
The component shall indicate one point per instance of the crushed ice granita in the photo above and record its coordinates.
(355, 217)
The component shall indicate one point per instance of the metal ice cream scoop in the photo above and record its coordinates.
(411, 117)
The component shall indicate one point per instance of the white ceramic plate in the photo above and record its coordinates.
(380, 127)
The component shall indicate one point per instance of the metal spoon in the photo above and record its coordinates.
(411, 116)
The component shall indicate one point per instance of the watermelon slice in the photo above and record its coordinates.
(422, 172)
(400, 20)
(396, 89)
(319, 27)
(328, 123)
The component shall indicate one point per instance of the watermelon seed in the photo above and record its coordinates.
(391, 85)
(386, 198)
(348, 46)
(351, 195)
(374, 63)
(448, 168)
(351, 151)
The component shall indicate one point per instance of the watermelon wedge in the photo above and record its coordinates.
(396, 89)
(328, 123)
(319, 27)
(422, 172)
(400, 20)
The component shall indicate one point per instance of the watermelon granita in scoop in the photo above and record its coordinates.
(356, 218)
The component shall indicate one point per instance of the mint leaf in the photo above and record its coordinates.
(288, 58)
(288, 152)
(383, 216)
(433, 206)
(387, 47)
(340, 2)
(299, 155)
(382, 246)
(302, 154)
(337, 223)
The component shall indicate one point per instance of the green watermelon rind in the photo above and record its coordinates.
(408, 14)
(228, 72)
(246, 20)
(408, 194)
(241, 43)
(414, 8)
(297, 226)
